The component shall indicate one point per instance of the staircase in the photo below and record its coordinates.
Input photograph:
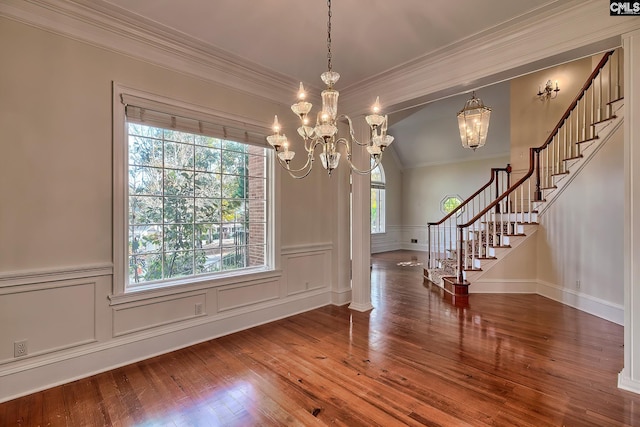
(500, 215)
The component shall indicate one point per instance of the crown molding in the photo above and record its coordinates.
(509, 46)
(548, 32)
(458, 161)
(103, 25)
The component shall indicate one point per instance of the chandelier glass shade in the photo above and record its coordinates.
(323, 133)
(473, 122)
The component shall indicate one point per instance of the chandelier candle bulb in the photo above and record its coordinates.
(301, 93)
(376, 105)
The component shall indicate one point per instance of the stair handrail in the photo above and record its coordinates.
(533, 164)
(494, 173)
(459, 209)
(578, 97)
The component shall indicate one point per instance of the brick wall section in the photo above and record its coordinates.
(257, 207)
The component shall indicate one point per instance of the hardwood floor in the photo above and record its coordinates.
(504, 360)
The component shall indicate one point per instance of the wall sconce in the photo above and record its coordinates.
(548, 92)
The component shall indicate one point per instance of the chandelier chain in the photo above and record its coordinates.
(329, 36)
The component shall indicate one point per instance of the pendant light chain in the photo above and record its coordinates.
(329, 36)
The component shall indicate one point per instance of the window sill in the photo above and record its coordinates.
(191, 284)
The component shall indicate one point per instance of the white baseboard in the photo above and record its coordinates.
(625, 382)
(341, 297)
(504, 287)
(414, 247)
(587, 303)
(387, 247)
(52, 370)
(360, 307)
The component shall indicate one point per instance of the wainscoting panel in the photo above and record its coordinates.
(49, 317)
(390, 240)
(307, 270)
(237, 296)
(147, 314)
(414, 232)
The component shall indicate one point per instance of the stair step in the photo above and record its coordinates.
(613, 117)
(568, 159)
(595, 138)
(560, 173)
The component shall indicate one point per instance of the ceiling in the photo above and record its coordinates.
(368, 37)
(289, 37)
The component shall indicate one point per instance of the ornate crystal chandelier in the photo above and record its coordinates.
(473, 122)
(325, 132)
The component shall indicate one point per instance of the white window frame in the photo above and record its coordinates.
(123, 293)
(380, 185)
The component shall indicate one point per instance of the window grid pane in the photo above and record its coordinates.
(197, 205)
(377, 199)
(377, 210)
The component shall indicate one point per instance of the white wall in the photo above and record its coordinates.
(424, 188)
(580, 237)
(56, 221)
(532, 120)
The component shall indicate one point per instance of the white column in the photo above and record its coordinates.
(341, 261)
(361, 225)
(629, 378)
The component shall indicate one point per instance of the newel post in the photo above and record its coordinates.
(460, 249)
(428, 245)
(506, 170)
(538, 195)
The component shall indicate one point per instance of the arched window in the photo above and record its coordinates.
(377, 199)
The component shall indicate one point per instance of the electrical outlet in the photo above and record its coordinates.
(199, 309)
(20, 348)
(414, 240)
(578, 284)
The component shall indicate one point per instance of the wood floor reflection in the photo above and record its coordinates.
(416, 359)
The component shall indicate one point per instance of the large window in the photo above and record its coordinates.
(196, 202)
(377, 200)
